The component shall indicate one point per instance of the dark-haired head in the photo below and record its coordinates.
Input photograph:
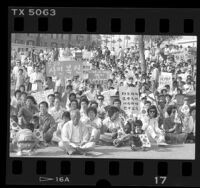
(66, 114)
(94, 104)
(171, 110)
(112, 110)
(93, 109)
(152, 110)
(192, 109)
(72, 96)
(17, 92)
(30, 97)
(74, 104)
(51, 95)
(30, 126)
(44, 103)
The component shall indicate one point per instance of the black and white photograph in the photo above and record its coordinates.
(102, 96)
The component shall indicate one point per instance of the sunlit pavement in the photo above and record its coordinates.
(181, 151)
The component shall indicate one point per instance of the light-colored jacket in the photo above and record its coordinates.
(66, 132)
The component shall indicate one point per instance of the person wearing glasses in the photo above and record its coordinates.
(151, 126)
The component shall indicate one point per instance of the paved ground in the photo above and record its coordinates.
(182, 151)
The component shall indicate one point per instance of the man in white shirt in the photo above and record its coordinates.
(36, 77)
(75, 136)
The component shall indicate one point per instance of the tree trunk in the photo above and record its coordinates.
(141, 51)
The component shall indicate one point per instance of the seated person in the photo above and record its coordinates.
(173, 127)
(111, 125)
(57, 134)
(151, 127)
(139, 139)
(47, 123)
(75, 136)
(123, 135)
(25, 140)
(94, 124)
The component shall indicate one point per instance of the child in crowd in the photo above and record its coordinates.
(123, 135)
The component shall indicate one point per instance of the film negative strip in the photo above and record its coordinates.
(135, 149)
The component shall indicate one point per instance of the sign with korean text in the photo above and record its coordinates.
(78, 55)
(129, 97)
(99, 77)
(165, 79)
(42, 95)
(64, 69)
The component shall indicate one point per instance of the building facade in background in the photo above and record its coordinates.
(55, 40)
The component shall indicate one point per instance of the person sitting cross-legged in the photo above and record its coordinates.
(75, 136)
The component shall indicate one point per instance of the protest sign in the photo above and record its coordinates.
(129, 97)
(86, 68)
(165, 79)
(180, 56)
(64, 69)
(38, 134)
(42, 95)
(99, 77)
(78, 55)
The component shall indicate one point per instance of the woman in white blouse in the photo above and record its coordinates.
(151, 126)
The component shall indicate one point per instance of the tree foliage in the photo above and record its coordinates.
(158, 39)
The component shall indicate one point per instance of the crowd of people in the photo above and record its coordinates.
(79, 115)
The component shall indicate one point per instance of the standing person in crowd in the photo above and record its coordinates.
(65, 95)
(37, 79)
(20, 79)
(51, 99)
